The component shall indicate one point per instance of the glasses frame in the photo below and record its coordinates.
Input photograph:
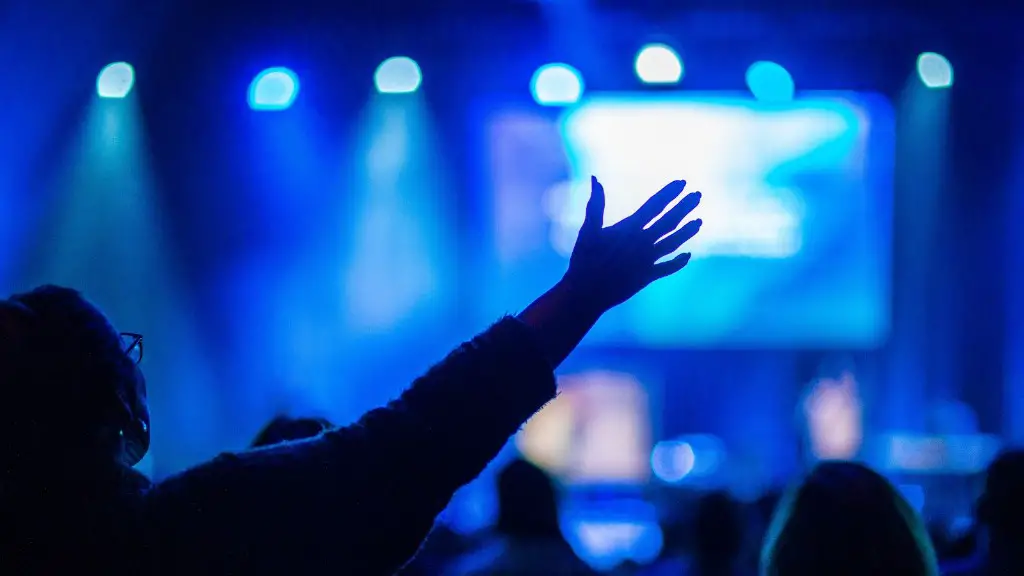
(136, 342)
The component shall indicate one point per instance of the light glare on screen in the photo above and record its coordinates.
(731, 156)
(596, 431)
(796, 208)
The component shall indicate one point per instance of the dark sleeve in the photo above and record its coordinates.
(359, 499)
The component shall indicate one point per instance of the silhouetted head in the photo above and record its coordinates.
(846, 519)
(718, 529)
(1001, 508)
(286, 429)
(72, 389)
(527, 502)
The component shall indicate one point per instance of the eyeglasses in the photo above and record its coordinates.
(132, 345)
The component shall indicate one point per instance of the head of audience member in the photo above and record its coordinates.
(676, 534)
(846, 519)
(527, 503)
(74, 395)
(718, 533)
(287, 429)
(1001, 510)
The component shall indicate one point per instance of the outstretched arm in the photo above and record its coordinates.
(360, 499)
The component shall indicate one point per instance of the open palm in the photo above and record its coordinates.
(616, 262)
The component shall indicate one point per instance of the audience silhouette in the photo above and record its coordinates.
(718, 536)
(1001, 516)
(528, 537)
(76, 420)
(846, 519)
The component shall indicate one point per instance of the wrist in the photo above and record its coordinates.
(578, 299)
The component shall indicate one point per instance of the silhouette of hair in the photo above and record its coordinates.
(846, 519)
(527, 502)
(76, 368)
(286, 429)
(718, 528)
(1002, 505)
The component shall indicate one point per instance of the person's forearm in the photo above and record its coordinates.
(385, 478)
(561, 317)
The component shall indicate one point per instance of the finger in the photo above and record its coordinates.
(594, 219)
(657, 203)
(672, 266)
(673, 217)
(673, 241)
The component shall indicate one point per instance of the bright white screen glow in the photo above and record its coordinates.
(796, 206)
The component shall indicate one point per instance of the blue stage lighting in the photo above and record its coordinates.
(115, 80)
(658, 64)
(273, 89)
(556, 85)
(398, 75)
(770, 82)
(935, 71)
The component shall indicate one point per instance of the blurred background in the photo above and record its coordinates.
(302, 205)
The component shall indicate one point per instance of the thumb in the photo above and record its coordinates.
(594, 219)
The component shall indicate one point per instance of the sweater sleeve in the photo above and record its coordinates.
(357, 499)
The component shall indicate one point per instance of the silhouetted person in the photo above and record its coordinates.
(676, 547)
(75, 418)
(1001, 517)
(718, 536)
(527, 537)
(846, 520)
(287, 429)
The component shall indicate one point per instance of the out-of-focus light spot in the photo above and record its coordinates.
(935, 70)
(115, 80)
(834, 418)
(273, 89)
(962, 454)
(671, 461)
(658, 64)
(556, 85)
(596, 431)
(770, 82)
(606, 533)
(606, 544)
(708, 453)
(398, 75)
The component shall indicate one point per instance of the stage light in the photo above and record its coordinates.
(770, 82)
(556, 85)
(273, 89)
(935, 70)
(672, 461)
(115, 80)
(658, 64)
(398, 75)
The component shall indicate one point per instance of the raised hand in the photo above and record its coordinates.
(610, 265)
